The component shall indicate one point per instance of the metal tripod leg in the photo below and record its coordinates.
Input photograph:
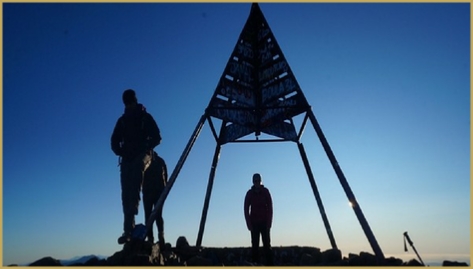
(177, 169)
(351, 197)
(317, 195)
(207, 195)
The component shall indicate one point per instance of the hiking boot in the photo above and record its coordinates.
(125, 238)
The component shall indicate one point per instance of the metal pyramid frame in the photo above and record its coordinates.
(258, 93)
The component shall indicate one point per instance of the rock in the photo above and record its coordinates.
(306, 260)
(354, 260)
(368, 259)
(137, 253)
(413, 262)
(46, 261)
(315, 252)
(392, 261)
(247, 263)
(182, 242)
(450, 263)
(116, 259)
(171, 259)
(331, 256)
(219, 256)
(199, 261)
(167, 247)
(283, 258)
(342, 262)
(183, 248)
(230, 259)
(140, 253)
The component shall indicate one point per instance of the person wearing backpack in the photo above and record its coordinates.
(134, 137)
(258, 210)
(154, 182)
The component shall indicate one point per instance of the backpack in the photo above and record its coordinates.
(134, 134)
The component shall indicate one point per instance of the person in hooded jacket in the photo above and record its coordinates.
(258, 210)
(134, 137)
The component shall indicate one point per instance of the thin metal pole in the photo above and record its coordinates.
(304, 122)
(176, 171)
(351, 197)
(412, 245)
(207, 195)
(317, 195)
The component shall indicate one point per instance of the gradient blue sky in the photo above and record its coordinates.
(388, 83)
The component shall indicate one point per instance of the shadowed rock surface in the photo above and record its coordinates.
(137, 253)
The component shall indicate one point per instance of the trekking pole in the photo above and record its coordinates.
(406, 237)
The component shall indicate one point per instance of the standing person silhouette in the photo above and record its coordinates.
(133, 139)
(258, 210)
(154, 182)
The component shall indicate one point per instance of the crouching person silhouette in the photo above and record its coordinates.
(154, 182)
(259, 216)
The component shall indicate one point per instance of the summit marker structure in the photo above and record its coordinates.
(258, 94)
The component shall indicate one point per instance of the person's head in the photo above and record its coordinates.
(257, 179)
(129, 97)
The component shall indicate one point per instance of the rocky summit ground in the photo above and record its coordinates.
(138, 253)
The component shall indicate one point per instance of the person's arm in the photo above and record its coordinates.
(247, 211)
(116, 139)
(154, 134)
(270, 209)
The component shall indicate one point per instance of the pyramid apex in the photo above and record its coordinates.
(257, 92)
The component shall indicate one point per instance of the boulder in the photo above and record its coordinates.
(182, 243)
(354, 260)
(413, 262)
(283, 258)
(368, 259)
(171, 259)
(230, 259)
(451, 263)
(199, 261)
(137, 253)
(315, 252)
(330, 256)
(392, 261)
(306, 260)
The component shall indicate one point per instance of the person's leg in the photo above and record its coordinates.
(149, 195)
(148, 208)
(265, 234)
(140, 165)
(128, 215)
(255, 234)
(160, 226)
(132, 174)
(161, 184)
